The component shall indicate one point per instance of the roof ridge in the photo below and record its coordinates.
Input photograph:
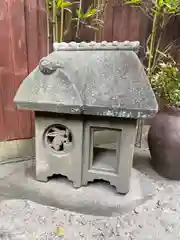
(90, 46)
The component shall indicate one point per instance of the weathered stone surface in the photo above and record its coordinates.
(19, 182)
(104, 79)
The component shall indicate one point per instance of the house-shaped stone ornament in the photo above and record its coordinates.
(82, 92)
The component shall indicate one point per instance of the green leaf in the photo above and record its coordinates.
(155, 11)
(66, 4)
(133, 2)
(59, 3)
(59, 231)
(160, 3)
(90, 12)
(79, 13)
(62, 4)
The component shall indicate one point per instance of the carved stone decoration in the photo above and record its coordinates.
(58, 138)
(48, 67)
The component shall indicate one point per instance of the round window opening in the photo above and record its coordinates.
(58, 138)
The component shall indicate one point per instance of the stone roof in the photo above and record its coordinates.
(92, 79)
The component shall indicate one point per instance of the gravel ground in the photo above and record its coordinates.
(157, 219)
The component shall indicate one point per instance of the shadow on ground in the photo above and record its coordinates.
(98, 198)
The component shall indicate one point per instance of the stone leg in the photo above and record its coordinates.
(77, 184)
(41, 177)
(122, 188)
(126, 153)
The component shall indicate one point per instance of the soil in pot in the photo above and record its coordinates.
(164, 142)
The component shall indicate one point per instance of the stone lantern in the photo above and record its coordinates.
(78, 92)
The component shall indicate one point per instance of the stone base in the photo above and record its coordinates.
(98, 198)
(17, 149)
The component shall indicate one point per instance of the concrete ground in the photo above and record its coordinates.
(33, 210)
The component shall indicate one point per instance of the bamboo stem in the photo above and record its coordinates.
(54, 21)
(151, 49)
(158, 45)
(156, 52)
(78, 21)
(152, 42)
(97, 6)
(57, 30)
(48, 26)
(62, 24)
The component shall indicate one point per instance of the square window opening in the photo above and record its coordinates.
(105, 149)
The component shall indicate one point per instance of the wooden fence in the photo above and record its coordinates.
(23, 43)
(21, 46)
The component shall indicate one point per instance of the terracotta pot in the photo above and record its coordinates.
(164, 142)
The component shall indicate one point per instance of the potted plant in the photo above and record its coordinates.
(66, 20)
(164, 133)
(160, 13)
(164, 76)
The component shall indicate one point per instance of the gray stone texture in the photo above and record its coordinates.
(118, 163)
(87, 86)
(48, 162)
(99, 198)
(79, 163)
(92, 79)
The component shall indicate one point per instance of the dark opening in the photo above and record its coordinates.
(105, 149)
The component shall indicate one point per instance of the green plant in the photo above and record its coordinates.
(166, 82)
(160, 12)
(64, 16)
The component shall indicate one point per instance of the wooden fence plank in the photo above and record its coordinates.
(108, 22)
(10, 128)
(19, 64)
(31, 21)
(4, 62)
(42, 29)
(23, 43)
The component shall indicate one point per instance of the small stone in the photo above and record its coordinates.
(146, 209)
(103, 43)
(131, 237)
(115, 43)
(64, 44)
(159, 203)
(169, 229)
(72, 44)
(81, 234)
(106, 225)
(136, 210)
(92, 43)
(82, 44)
